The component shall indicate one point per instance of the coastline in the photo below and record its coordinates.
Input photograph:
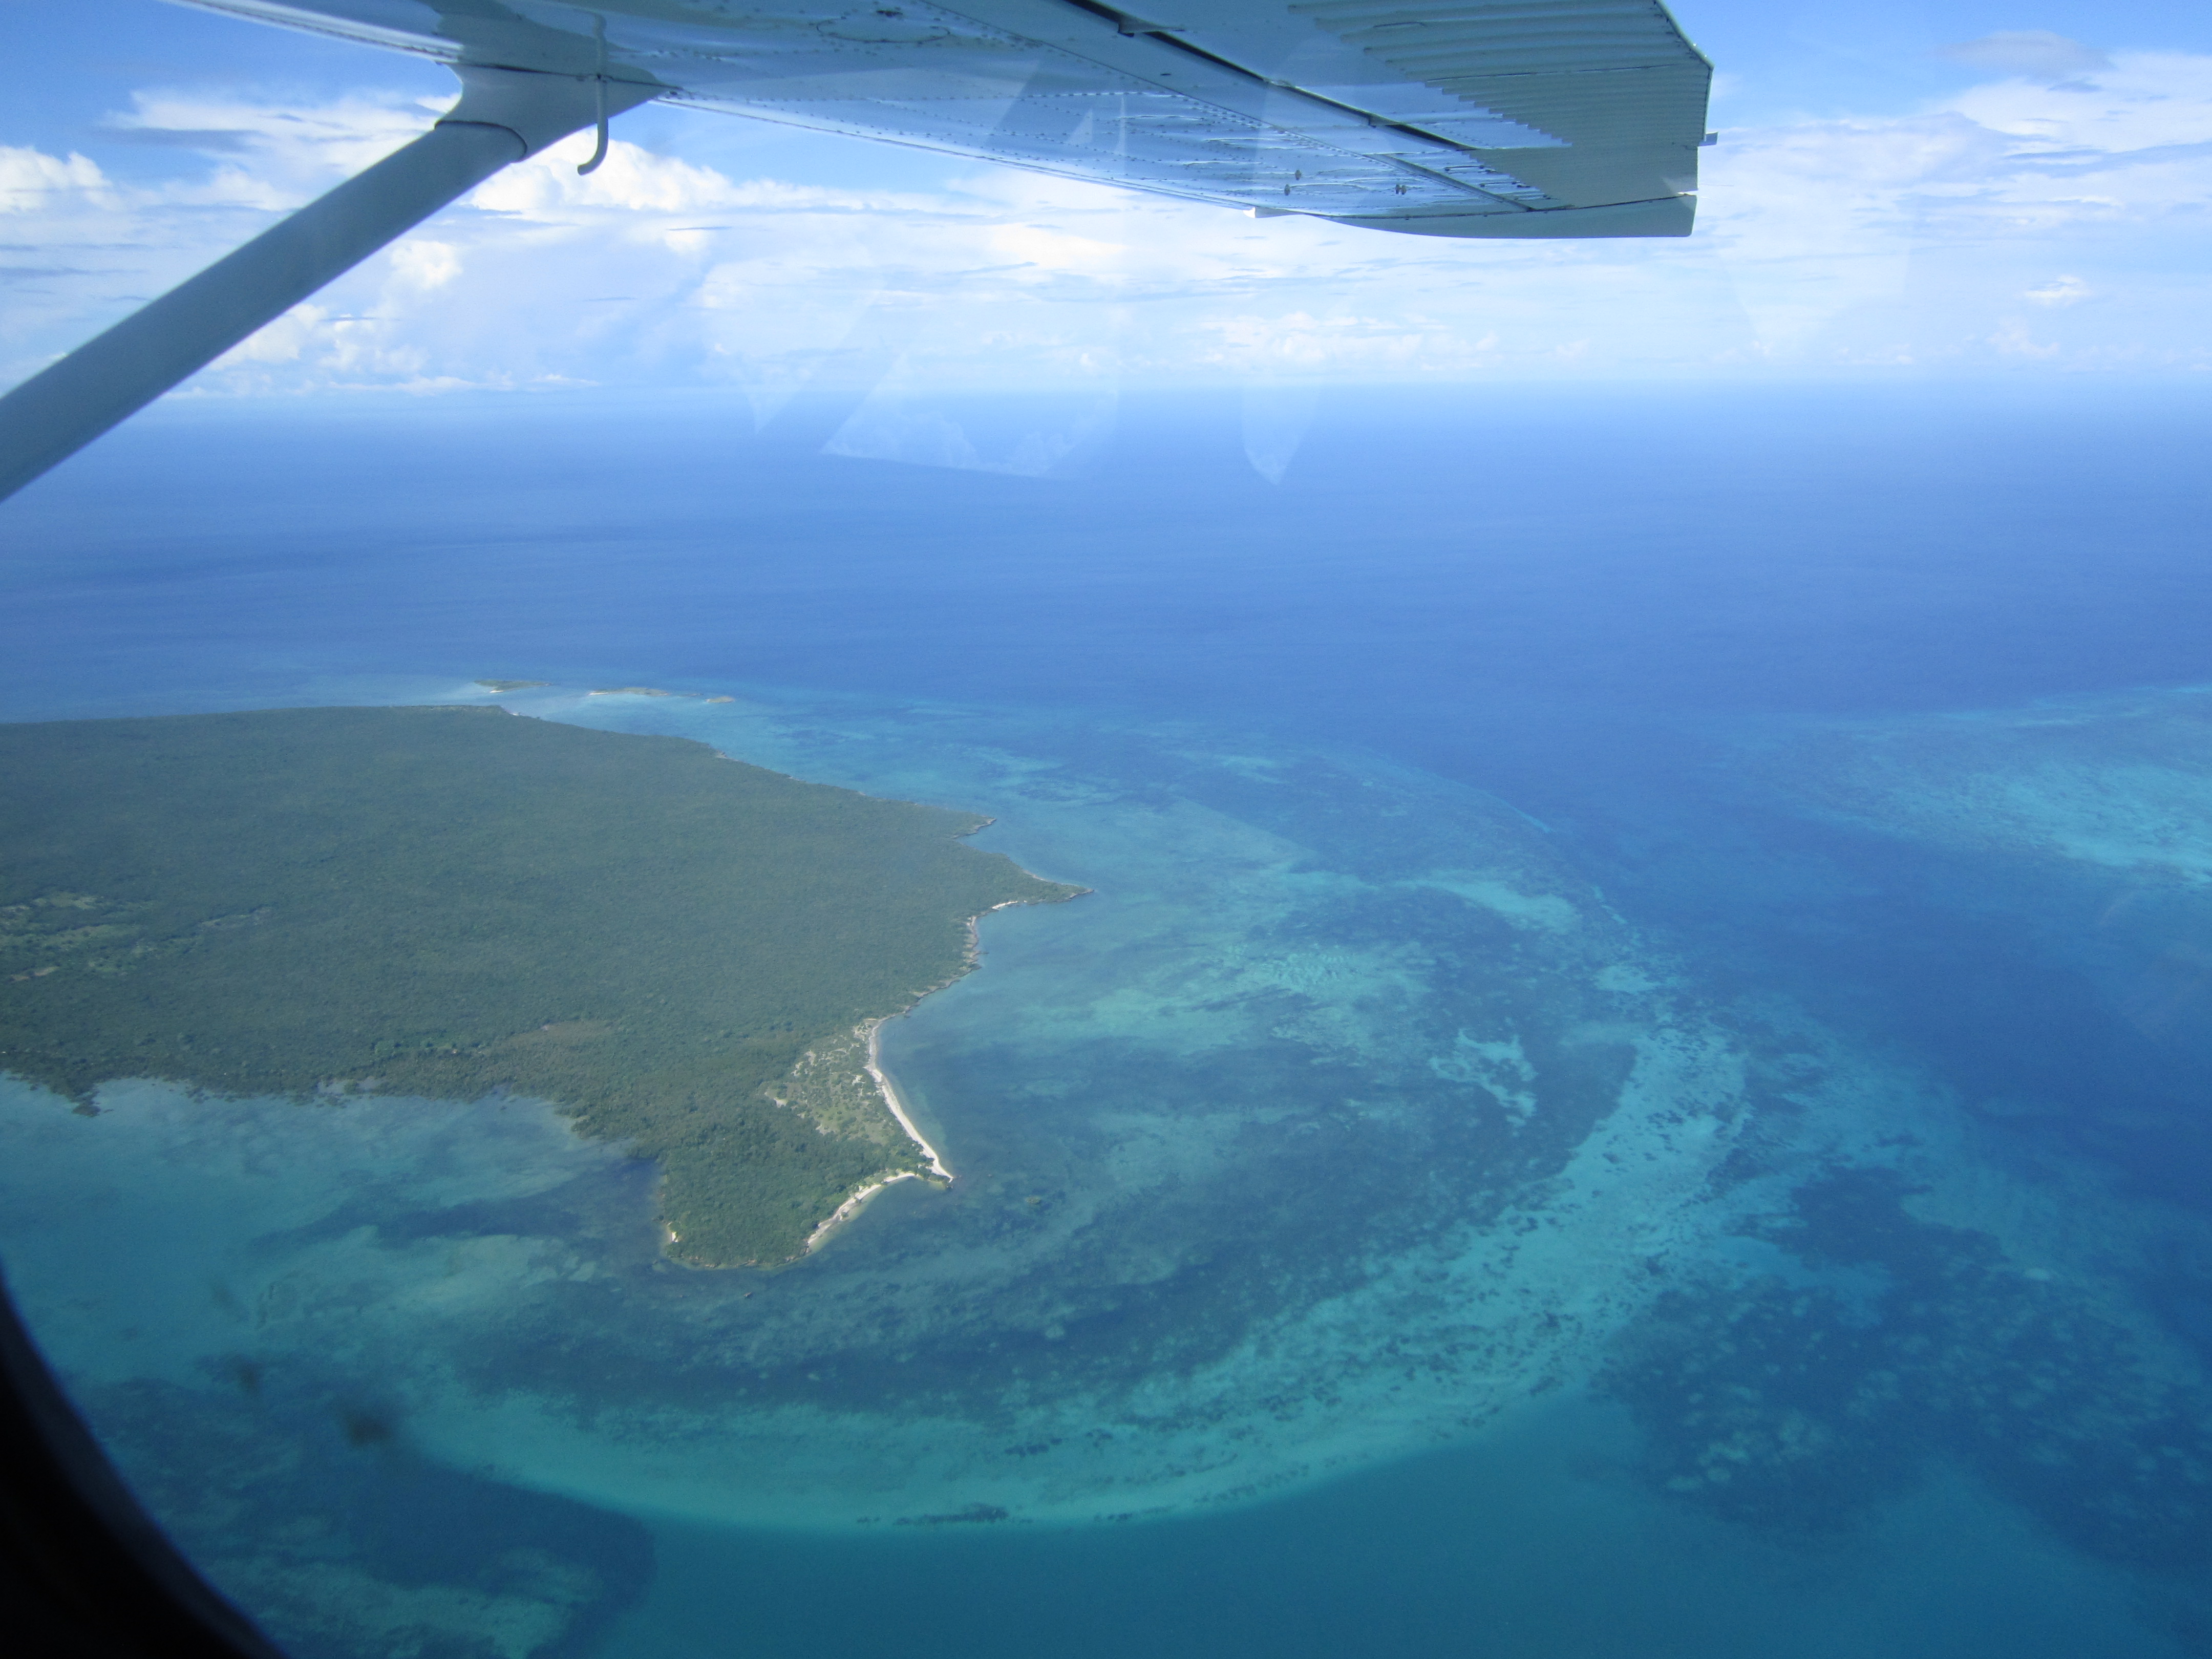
(896, 1105)
(897, 1102)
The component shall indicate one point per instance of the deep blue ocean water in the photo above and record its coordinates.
(1633, 1083)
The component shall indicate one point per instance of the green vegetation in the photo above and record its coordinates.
(675, 947)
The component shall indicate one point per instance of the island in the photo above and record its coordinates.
(686, 953)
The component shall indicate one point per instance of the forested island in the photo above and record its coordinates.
(685, 952)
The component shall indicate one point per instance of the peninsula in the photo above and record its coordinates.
(686, 953)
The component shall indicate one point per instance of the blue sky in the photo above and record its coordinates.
(1930, 190)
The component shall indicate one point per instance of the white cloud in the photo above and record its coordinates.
(419, 263)
(1868, 240)
(30, 181)
(1817, 220)
(2013, 340)
(2028, 52)
(2060, 291)
(2143, 102)
(547, 187)
(284, 341)
(276, 156)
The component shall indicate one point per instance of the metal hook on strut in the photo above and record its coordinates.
(600, 95)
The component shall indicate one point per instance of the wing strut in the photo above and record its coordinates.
(503, 116)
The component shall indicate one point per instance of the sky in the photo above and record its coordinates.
(1948, 189)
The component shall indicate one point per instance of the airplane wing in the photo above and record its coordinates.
(1449, 118)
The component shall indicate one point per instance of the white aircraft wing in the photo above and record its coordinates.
(1450, 117)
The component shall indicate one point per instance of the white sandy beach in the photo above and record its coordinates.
(896, 1105)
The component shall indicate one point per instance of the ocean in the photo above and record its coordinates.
(1631, 1083)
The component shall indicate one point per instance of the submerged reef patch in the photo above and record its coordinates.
(2114, 783)
(1799, 1404)
(303, 1500)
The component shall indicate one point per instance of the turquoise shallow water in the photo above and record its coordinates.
(1512, 1171)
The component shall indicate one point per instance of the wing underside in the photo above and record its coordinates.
(1456, 117)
